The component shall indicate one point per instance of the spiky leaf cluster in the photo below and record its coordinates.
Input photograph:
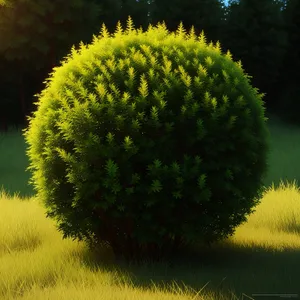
(147, 140)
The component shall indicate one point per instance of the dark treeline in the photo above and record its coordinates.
(36, 34)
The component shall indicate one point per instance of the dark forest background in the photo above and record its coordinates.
(36, 34)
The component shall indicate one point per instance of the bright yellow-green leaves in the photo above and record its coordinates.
(150, 126)
(143, 89)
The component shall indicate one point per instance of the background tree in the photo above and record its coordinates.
(255, 34)
(35, 35)
(138, 10)
(289, 88)
(207, 15)
(110, 13)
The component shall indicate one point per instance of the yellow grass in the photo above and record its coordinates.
(35, 263)
(276, 222)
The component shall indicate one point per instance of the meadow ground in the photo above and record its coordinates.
(262, 257)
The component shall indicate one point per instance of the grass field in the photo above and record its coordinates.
(262, 257)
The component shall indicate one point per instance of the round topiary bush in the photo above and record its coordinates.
(148, 141)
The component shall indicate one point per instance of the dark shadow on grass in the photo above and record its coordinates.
(222, 268)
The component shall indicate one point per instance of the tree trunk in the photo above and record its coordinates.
(22, 95)
(4, 127)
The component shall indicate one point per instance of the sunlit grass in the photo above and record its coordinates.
(276, 222)
(34, 257)
(38, 264)
(261, 257)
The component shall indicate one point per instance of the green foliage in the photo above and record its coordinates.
(33, 30)
(207, 15)
(138, 10)
(149, 141)
(110, 12)
(288, 89)
(255, 34)
(35, 35)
